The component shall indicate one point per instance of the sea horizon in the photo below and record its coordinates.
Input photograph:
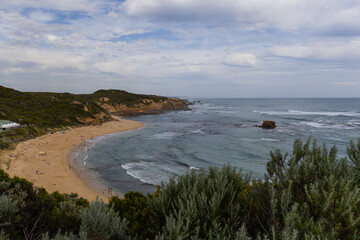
(199, 98)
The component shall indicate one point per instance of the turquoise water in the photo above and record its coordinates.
(213, 133)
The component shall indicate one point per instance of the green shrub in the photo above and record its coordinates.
(27, 212)
(201, 205)
(12, 200)
(3, 235)
(8, 208)
(4, 176)
(314, 194)
(66, 217)
(135, 208)
(60, 236)
(101, 223)
(4, 145)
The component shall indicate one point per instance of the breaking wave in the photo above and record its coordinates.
(295, 112)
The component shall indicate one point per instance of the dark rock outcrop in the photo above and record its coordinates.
(267, 124)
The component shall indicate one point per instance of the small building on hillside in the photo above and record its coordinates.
(8, 125)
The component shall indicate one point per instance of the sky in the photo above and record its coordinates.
(190, 48)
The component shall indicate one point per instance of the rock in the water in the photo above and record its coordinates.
(268, 124)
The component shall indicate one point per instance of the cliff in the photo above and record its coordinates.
(145, 106)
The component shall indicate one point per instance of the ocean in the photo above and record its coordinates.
(213, 133)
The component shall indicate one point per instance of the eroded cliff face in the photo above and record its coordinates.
(147, 106)
(95, 119)
(92, 118)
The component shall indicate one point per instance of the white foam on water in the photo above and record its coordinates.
(248, 140)
(153, 173)
(227, 112)
(270, 139)
(131, 165)
(164, 135)
(197, 131)
(201, 108)
(326, 125)
(260, 139)
(352, 123)
(295, 112)
(195, 168)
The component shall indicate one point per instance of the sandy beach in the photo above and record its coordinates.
(53, 170)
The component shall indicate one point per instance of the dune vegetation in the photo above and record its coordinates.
(308, 194)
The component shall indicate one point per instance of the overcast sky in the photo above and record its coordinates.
(195, 48)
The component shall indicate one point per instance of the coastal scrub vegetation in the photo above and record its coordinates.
(42, 112)
(113, 96)
(307, 194)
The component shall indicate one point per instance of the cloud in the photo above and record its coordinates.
(41, 16)
(290, 16)
(179, 10)
(121, 68)
(241, 59)
(341, 22)
(52, 38)
(63, 5)
(321, 50)
(351, 84)
(32, 60)
(180, 47)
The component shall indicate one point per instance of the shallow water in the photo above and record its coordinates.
(213, 133)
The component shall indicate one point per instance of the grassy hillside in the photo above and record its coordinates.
(45, 111)
(120, 97)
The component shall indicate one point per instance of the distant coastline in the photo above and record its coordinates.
(42, 112)
(53, 170)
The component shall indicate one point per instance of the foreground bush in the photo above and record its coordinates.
(100, 223)
(309, 194)
(201, 205)
(314, 194)
(135, 207)
(27, 212)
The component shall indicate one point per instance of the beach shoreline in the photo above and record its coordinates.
(53, 170)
